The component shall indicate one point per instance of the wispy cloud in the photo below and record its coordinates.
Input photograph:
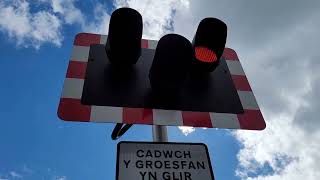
(27, 173)
(15, 175)
(289, 145)
(60, 178)
(157, 15)
(29, 28)
(278, 48)
(100, 22)
(34, 28)
(69, 12)
(11, 175)
(186, 130)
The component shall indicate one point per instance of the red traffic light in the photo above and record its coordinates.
(205, 55)
(209, 43)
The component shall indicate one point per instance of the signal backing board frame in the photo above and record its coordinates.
(71, 109)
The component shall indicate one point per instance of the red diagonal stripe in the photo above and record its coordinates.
(137, 116)
(76, 70)
(72, 110)
(86, 39)
(230, 54)
(241, 83)
(144, 43)
(251, 119)
(196, 119)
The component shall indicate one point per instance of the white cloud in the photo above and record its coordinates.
(291, 152)
(100, 23)
(27, 28)
(278, 47)
(69, 12)
(3, 178)
(157, 15)
(285, 75)
(15, 175)
(186, 130)
(46, 28)
(60, 178)
(11, 175)
(291, 135)
(26, 173)
(72, 15)
(34, 28)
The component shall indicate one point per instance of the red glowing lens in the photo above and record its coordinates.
(205, 55)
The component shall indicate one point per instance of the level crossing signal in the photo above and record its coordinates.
(122, 78)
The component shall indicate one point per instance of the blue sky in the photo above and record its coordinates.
(36, 39)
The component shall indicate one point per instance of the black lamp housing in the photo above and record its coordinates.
(123, 45)
(171, 64)
(209, 43)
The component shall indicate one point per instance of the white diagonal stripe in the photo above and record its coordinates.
(103, 39)
(224, 120)
(106, 114)
(80, 53)
(235, 67)
(72, 88)
(167, 117)
(248, 100)
(152, 44)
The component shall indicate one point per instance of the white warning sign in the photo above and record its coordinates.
(163, 161)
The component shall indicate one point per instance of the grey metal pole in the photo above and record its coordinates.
(159, 133)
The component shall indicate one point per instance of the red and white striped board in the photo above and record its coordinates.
(71, 109)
